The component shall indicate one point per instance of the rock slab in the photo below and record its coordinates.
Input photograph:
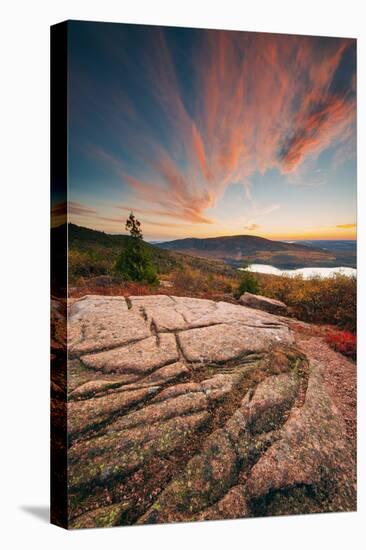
(262, 302)
(182, 409)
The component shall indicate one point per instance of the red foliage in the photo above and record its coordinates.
(343, 342)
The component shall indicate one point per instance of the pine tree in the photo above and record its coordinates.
(134, 226)
(134, 263)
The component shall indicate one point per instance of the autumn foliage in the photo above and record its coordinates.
(343, 342)
(195, 282)
(330, 301)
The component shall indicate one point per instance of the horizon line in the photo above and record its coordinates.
(149, 240)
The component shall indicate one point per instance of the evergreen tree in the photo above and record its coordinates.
(134, 263)
(134, 226)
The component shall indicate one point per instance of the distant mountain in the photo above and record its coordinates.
(344, 250)
(239, 249)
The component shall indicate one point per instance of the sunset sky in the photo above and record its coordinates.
(204, 133)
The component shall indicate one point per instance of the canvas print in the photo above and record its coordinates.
(203, 311)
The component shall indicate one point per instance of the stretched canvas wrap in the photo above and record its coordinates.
(203, 311)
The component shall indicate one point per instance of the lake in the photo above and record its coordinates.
(306, 272)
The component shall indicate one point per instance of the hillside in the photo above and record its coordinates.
(93, 253)
(344, 250)
(247, 248)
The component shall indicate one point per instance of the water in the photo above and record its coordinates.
(306, 272)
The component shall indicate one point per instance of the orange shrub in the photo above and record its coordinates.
(200, 284)
(331, 300)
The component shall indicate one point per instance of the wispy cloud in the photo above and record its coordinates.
(169, 195)
(256, 102)
(252, 227)
(281, 100)
(79, 209)
(59, 209)
(147, 223)
(346, 226)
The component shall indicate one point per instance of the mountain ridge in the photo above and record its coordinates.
(237, 249)
(214, 254)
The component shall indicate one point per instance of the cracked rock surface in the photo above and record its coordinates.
(182, 409)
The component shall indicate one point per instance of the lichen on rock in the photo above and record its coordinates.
(182, 409)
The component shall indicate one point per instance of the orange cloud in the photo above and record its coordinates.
(60, 211)
(346, 226)
(252, 227)
(172, 192)
(260, 101)
(78, 209)
(268, 100)
(316, 129)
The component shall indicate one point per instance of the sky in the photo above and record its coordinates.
(205, 133)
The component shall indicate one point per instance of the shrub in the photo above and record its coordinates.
(201, 284)
(331, 300)
(248, 282)
(87, 263)
(343, 342)
(190, 281)
(134, 263)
